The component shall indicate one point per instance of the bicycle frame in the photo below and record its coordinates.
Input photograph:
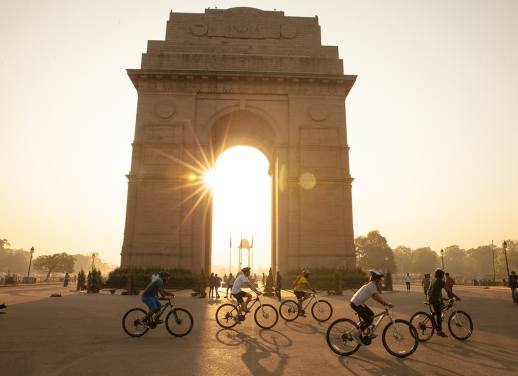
(375, 323)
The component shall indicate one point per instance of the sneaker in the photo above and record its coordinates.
(357, 339)
(144, 322)
(442, 334)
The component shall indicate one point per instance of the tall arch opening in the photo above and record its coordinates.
(241, 211)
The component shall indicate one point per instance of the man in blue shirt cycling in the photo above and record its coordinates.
(150, 295)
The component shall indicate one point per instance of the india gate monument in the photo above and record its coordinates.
(240, 76)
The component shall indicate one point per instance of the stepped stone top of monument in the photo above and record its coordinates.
(242, 39)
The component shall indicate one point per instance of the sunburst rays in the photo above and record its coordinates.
(197, 164)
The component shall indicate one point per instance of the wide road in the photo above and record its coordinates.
(81, 334)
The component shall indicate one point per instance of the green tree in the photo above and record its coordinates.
(478, 263)
(454, 259)
(4, 243)
(403, 259)
(374, 252)
(424, 260)
(58, 262)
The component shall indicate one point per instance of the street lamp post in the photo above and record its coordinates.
(504, 246)
(494, 270)
(30, 262)
(442, 258)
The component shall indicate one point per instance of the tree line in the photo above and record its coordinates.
(16, 261)
(373, 251)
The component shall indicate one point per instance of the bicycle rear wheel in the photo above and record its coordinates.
(289, 310)
(322, 310)
(339, 337)
(423, 324)
(179, 322)
(132, 322)
(460, 325)
(266, 316)
(400, 338)
(226, 316)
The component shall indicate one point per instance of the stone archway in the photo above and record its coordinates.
(240, 76)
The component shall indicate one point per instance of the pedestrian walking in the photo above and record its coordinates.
(426, 284)
(66, 280)
(408, 280)
(230, 283)
(513, 284)
(211, 285)
(217, 285)
(278, 285)
(449, 282)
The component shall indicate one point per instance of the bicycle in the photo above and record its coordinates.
(178, 321)
(399, 337)
(321, 309)
(460, 324)
(265, 315)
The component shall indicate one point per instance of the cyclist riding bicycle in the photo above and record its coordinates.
(150, 293)
(243, 281)
(371, 289)
(298, 286)
(436, 300)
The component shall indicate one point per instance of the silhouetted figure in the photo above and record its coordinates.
(408, 280)
(211, 285)
(278, 285)
(217, 285)
(230, 283)
(513, 284)
(449, 282)
(426, 284)
(66, 280)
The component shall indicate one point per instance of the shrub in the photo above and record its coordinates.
(94, 281)
(180, 279)
(328, 278)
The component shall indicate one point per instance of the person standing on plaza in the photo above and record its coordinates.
(66, 279)
(217, 285)
(513, 284)
(408, 280)
(230, 283)
(211, 285)
(278, 285)
(426, 284)
(449, 282)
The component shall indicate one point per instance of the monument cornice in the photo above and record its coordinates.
(142, 79)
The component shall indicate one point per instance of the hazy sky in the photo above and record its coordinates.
(432, 119)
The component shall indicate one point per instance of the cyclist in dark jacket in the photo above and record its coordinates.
(436, 300)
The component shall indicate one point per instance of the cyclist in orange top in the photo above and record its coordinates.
(298, 289)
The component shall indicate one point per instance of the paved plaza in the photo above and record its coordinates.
(80, 334)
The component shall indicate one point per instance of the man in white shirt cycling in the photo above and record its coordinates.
(371, 289)
(243, 281)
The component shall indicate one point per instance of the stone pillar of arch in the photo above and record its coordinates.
(240, 76)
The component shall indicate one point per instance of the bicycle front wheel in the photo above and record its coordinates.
(132, 322)
(339, 337)
(266, 316)
(322, 310)
(400, 338)
(460, 325)
(179, 322)
(226, 316)
(424, 325)
(289, 310)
